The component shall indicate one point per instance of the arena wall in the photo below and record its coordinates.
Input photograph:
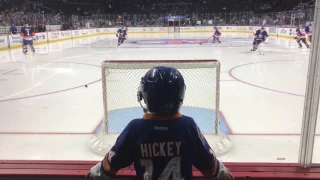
(14, 41)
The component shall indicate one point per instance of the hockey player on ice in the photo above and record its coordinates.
(301, 36)
(163, 144)
(27, 34)
(308, 31)
(259, 37)
(121, 34)
(216, 35)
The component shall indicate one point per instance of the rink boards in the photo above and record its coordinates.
(14, 41)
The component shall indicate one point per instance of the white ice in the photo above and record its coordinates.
(46, 113)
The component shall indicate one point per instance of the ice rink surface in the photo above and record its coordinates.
(47, 113)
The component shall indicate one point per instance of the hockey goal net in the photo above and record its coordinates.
(120, 81)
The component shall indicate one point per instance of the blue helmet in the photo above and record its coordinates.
(162, 89)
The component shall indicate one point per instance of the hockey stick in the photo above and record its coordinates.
(133, 42)
(206, 40)
(126, 39)
(259, 51)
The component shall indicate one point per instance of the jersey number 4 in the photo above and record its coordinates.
(172, 168)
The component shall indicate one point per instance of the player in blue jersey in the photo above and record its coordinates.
(301, 36)
(121, 34)
(308, 31)
(27, 34)
(259, 37)
(163, 144)
(216, 35)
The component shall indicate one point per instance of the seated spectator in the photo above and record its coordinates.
(42, 28)
(13, 29)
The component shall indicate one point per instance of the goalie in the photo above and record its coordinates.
(121, 34)
(27, 34)
(163, 144)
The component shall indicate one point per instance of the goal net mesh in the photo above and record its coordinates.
(120, 82)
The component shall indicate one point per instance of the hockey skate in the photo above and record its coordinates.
(25, 51)
(253, 49)
(33, 49)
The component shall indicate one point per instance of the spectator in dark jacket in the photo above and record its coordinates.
(65, 26)
(13, 29)
(42, 28)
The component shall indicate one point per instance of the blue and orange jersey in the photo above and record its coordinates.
(27, 33)
(261, 35)
(308, 30)
(217, 33)
(300, 33)
(162, 147)
(122, 32)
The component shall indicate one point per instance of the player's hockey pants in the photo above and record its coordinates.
(256, 42)
(216, 38)
(304, 40)
(25, 44)
(120, 40)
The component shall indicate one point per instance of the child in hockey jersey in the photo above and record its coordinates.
(301, 36)
(27, 34)
(259, 37)
(121, 34)
(163, 144)
(216, 35)
(308, 31)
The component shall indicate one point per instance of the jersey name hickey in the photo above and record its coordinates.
(160, 149)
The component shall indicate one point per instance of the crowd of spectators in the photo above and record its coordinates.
(35, 16)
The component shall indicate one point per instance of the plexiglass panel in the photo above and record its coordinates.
(51, 101)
